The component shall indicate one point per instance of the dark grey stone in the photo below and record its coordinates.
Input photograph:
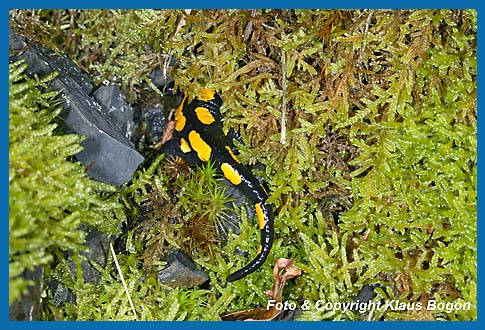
(43, 61)
(367, 293)
(115, 107)
(97, 244)
(62, 294)
(159, 80)
(108, 154)
(98, 249)
(15, 41)
(181, 272)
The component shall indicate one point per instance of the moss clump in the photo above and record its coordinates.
(190, 215)
(158, 222)
(107, 299)
(413, 223)
(50, 196)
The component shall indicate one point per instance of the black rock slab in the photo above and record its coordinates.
(181, 272)
(46, 61)
(115, 107)
(97, 252)
(108, 154)
(97, 244)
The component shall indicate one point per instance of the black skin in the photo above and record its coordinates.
(213, 135)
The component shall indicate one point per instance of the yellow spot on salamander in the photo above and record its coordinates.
(231, 174)
(260, 248)
(200, 146)
(206, 94)
(232, 154)
(204, 116)
(184, 146)
(260, 214)
(180, 122)
(179, 115)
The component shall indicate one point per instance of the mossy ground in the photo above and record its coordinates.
(365, 122)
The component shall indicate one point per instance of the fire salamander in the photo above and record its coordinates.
(198, 137)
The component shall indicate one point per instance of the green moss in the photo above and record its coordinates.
(107, 299)
(190, 215)
(50, 196)
(376, 180)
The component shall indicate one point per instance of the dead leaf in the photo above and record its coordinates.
(284, 269)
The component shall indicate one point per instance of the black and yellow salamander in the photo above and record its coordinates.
(198, 137)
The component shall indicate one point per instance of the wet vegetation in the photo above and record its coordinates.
(361, 123)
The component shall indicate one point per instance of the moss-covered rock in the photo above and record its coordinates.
(50, 195)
